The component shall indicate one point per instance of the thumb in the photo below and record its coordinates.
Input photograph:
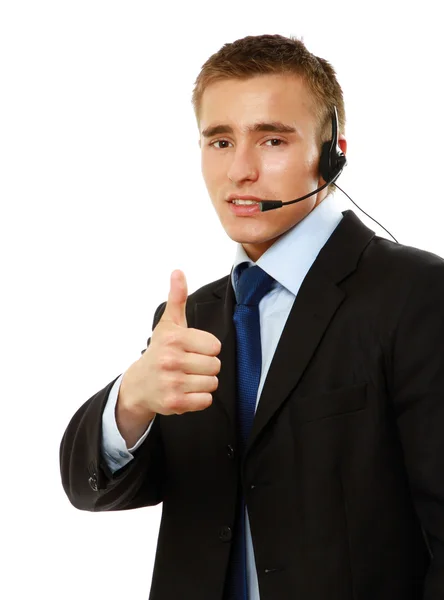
(177, 300)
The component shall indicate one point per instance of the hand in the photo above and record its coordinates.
(178, 371)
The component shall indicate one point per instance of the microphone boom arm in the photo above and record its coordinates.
(271, 204)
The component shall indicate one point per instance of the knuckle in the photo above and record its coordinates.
(215, 383)
(171, 337)
(168, 361)
(177, 382)
(174, 403)
(217, 365)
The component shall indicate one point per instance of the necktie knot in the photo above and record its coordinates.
(252, 285)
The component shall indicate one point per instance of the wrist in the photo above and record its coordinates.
(131, 420)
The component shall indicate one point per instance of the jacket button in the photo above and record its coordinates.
(93, 484)
(230, 451)
(225, 534)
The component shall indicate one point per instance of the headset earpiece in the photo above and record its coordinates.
(332, 160)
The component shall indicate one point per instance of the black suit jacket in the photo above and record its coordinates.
(344, 470)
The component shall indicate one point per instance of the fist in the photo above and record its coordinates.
(178, 371)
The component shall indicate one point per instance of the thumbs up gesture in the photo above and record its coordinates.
(177, 372)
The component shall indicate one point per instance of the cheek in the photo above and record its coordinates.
(206, 174)
(288, 166)
(213, 178)
(285, 167)
(210, 169)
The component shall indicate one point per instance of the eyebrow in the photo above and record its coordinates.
(274, 127)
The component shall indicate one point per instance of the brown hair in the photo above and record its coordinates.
(266, 54)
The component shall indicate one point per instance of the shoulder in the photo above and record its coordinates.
(401, 261)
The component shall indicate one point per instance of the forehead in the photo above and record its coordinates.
(264, 97)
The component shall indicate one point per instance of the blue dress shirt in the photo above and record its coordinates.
(288, 261)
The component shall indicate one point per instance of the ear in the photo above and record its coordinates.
(342, 143)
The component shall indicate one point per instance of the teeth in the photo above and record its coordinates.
(237, 201)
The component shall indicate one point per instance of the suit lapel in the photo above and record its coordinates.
(318, 299)
(216, 316)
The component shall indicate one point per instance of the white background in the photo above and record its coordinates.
(102, 198)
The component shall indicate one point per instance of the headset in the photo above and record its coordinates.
(331, 165)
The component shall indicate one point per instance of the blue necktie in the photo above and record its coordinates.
(252, 285)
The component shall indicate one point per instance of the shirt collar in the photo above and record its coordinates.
(289, 259)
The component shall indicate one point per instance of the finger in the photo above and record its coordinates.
(196, 401)
(199, 384)
(199, 364)
(200, 342)
(175, 309)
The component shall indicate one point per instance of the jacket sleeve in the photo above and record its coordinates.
(418, 394)
(86, 478)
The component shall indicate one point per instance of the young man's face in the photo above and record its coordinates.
(247, 162)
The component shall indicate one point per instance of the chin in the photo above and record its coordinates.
(255, 238)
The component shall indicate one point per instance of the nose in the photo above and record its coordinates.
(243, 166)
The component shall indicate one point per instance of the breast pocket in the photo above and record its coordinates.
(331, 403)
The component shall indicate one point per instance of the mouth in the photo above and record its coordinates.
(244, 206)
(243, 200)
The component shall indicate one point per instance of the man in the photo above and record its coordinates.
(332, 338)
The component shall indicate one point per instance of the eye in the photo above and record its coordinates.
(226, 142)
(279, 142)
